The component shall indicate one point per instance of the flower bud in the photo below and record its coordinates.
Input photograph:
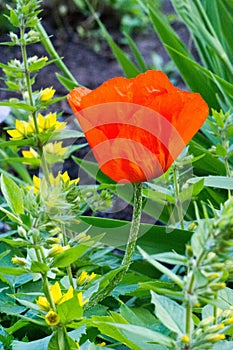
(228, 321)
(22, 232)
(217, 286)
(214, 338)
(206, 322)
(19, 261)
(215, 328)
(52, 318)
(185, 339)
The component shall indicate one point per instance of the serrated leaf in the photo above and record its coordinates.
(12, 194)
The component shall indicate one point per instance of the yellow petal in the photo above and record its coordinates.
(41, 122)
(80, 299)
(15, 134)
(56, 292)
(43, 303)
(36, 182)
(65, 177)
(67, 296)
(47, 94)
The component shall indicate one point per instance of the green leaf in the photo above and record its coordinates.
(69, 256)
(152, 238)
(12, 194)
(191, 72)
(161, 287)
(14, 18)
(162, 268)
(14, 271)
(18, 105)
(215, 181)
(92, 169)
(39, 267)
(223, 345)
(28, 142)
(171, 258)
(171, 314)
(66, 134)
(66, 82)
(70, 310)
(142, 337)
(41, 344)
(128, 67)
(140, 61)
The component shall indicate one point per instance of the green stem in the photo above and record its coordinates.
(188, 320)
(44, 277)
(61, 334)
(135, 224)
(215, 311)
(54, 55)
(68, 268)
(27, 76)
(179, 205)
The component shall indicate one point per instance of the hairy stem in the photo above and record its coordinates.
(135, 224)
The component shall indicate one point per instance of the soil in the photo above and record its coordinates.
(89, 67)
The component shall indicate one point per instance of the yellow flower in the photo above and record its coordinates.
(80, 299)
(85, 278)
(22, 129)
(31, 153)
(54, 181)
(47, 94)
(57, 249)
(52, 318)
(101, 344)
(49, 123)
(55, 148)
(43, 303)
(36, 183)
(64, 178)
(19, 261)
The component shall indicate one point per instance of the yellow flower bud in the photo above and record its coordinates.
(215, 328)
(206, 321)
(47, 94)
(19, 261)
(43, 303)
(185, 339)
(57, 249)
(214, 338)
(228, 321)
(52, 318)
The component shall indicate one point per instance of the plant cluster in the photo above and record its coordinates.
(70, 281)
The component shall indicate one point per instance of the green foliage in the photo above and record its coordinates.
(56, 263)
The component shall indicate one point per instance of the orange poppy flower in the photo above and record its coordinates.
(137, 127)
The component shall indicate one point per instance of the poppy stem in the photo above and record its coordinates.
(135, 225)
